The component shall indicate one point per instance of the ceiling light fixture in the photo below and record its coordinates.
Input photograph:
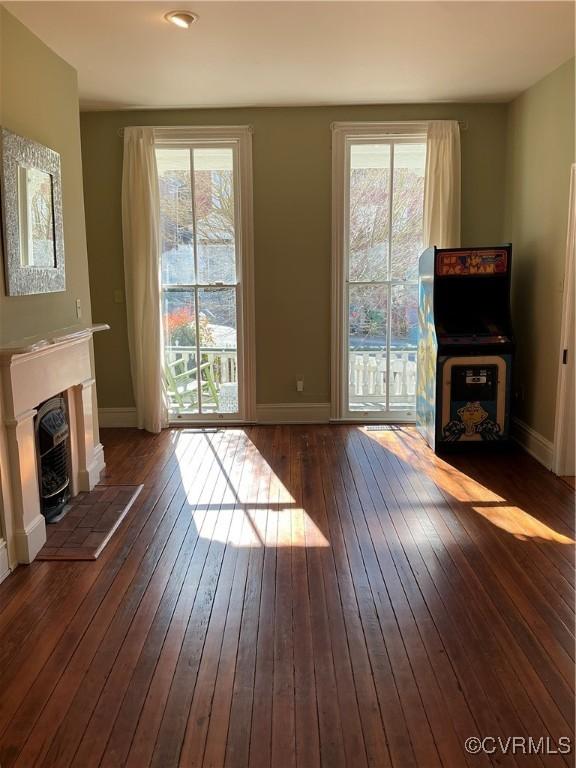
(183, 19)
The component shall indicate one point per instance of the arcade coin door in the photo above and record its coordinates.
(465, 346)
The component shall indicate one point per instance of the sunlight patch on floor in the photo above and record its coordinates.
(290, 527)
(520, 524)
(458, 485)
(466, 490)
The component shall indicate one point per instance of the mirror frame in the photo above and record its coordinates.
(21, 279)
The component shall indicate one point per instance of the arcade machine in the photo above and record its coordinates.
(465, 346)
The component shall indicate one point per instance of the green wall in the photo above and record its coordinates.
(292, 176)
(540, 152)
(39, 100)
(515, 170)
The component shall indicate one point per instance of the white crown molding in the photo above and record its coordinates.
(533, 442)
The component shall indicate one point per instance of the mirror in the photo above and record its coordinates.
(36, 218)
(32, 217)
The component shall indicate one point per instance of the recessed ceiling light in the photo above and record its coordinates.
(183, 19)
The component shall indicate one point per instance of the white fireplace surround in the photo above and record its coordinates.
(32, 371)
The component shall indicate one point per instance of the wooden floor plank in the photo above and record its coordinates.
(299, 596)
(135, 732)
(238, 741)
(283, 748)
(525, 619)
(399, 601)
(305, 709)
(345, 538)
(473, 649)
(352, 732)
(476, 600)
(216, 737)
(483, 596)
(152, 619)
(111, 575)
(354, 596)
(222, 628)
(172, 726)
(260, 745)
(530, 552)
(140, 599)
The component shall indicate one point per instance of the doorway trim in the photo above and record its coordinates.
(240, 136)
(564, 427)
(342, 135)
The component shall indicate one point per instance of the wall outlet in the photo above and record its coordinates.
(299, 385)
(78, 309)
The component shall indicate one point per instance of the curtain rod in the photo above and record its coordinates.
(462, 123)
(416, 124)
(176, 128)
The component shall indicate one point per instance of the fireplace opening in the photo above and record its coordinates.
(52, 446)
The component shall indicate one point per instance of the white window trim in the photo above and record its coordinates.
(239, 136)
(342, 135)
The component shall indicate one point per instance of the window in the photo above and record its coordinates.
(378, 218)
(205, 229)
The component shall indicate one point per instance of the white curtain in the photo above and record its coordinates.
(141, 238)
(442, 185)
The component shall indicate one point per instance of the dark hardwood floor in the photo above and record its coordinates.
(282, 596)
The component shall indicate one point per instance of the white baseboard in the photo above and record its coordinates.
(293, 413)
(533, 442)
(117, 417)
(91, 476)
(4, 568)
(272, 413)
(31, 540)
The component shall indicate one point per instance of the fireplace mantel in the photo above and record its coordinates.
(33, 370)
(35, 344)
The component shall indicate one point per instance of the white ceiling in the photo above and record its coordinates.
(299, 53)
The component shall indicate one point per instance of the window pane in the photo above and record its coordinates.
(404, 336)
(368, 322)
(369, 212)
(218, 349)
(176, 221)
(404, 317)
(402, 394)
(407, 209)
(215, 228)
(180, 369)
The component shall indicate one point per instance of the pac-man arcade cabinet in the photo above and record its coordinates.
(465, 346)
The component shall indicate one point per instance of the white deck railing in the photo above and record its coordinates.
(368, 377)
(367, 372)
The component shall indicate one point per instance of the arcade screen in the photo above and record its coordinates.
(471, 292)
(476, 306)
